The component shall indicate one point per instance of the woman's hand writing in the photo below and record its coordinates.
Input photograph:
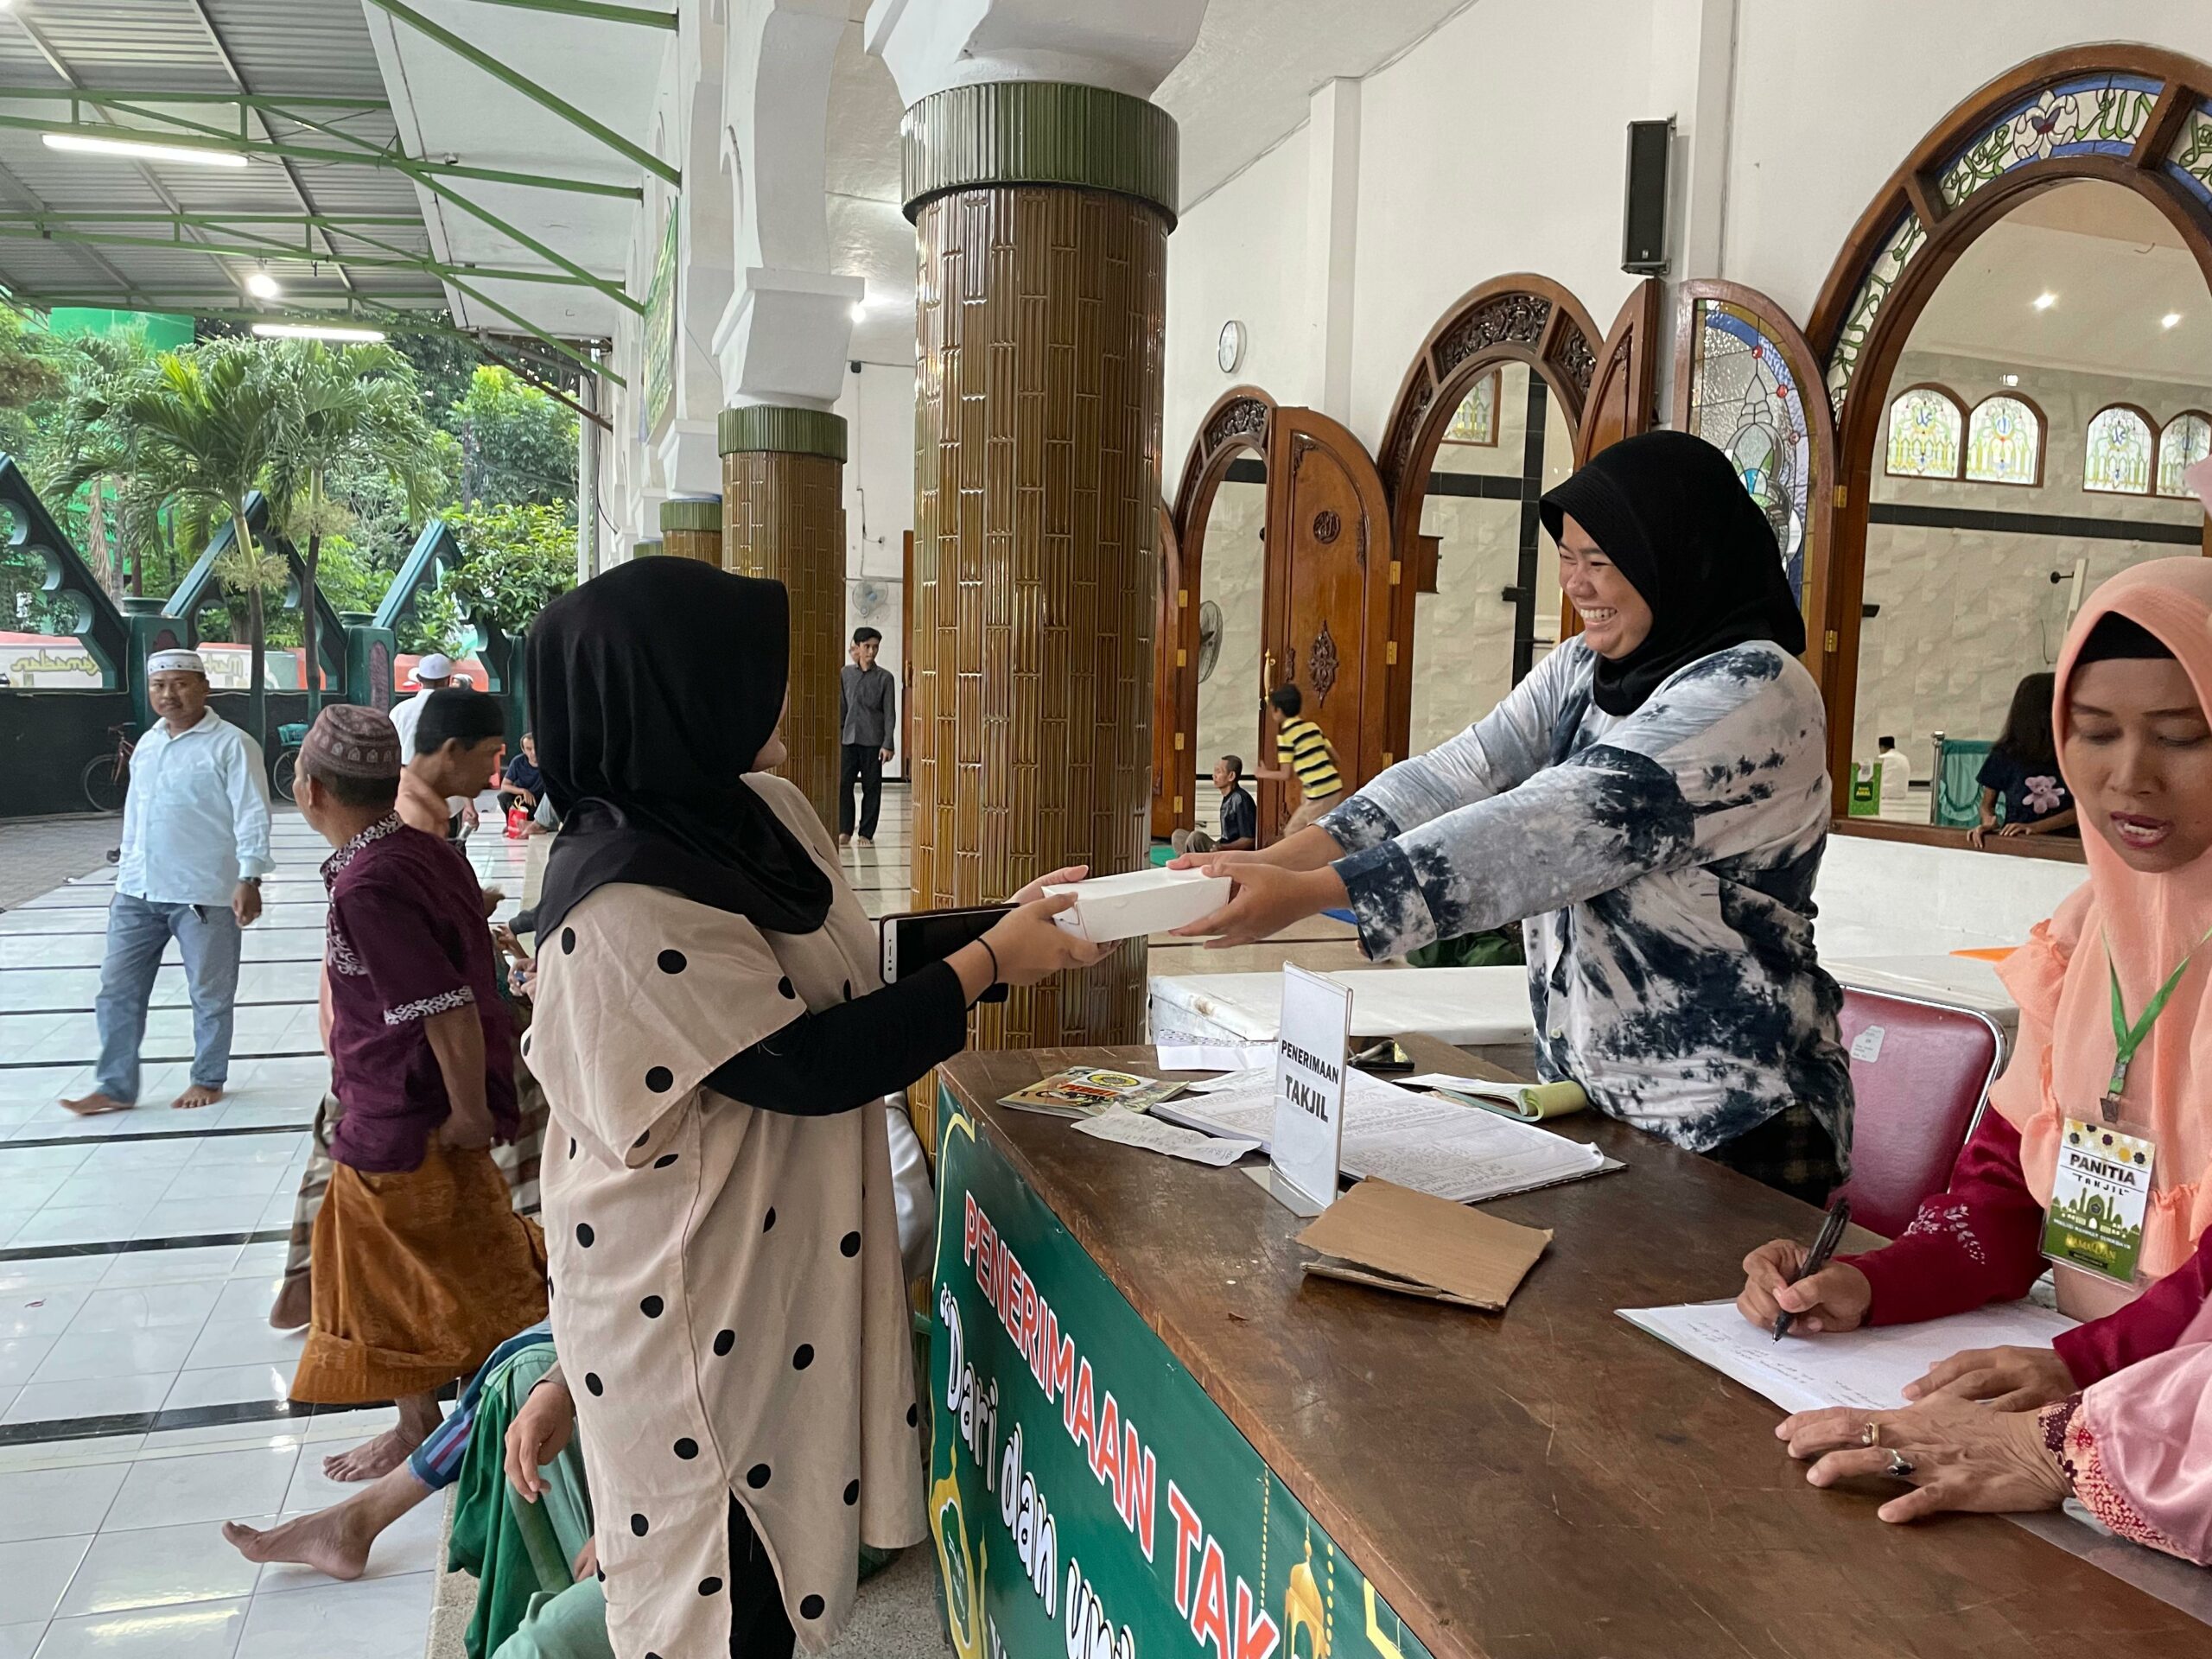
(1957, 1455)
(1266, 899)
(539, 1434)
(1834, 1299)
(2011, 1379)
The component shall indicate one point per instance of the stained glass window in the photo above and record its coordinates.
(1925, 434)
(1476, 419)
(2118, 460)
(2005, 443)
(2186, 441)
(1746, 402)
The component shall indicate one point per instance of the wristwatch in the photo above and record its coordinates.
(251, 880)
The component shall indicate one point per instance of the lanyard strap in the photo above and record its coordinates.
(2126, 1038)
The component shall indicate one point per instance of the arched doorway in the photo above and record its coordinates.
(2133, 116)
(1558, 392)
(1325, 617)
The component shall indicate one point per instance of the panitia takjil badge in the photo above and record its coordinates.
(2099, 1198)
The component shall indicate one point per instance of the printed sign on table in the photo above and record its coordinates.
(1315, 1036)
(1087, 1497)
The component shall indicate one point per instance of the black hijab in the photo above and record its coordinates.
(653, 688)
(1669, 510)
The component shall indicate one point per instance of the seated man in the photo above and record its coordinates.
(522, 783)
(1240, 815)
(419, 1264)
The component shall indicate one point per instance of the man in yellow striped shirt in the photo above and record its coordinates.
(1303, 755)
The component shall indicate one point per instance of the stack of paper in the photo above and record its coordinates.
(1866, 1367)
(1432, 1146)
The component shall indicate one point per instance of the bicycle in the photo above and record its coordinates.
(106, 777)
(284, 770)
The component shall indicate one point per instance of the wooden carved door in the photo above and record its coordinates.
(1623, 393)
(1327, 601)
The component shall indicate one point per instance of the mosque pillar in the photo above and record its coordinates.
(1042, 187)
(691, 528)
(784, 516)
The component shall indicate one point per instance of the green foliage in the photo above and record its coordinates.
(515, 560)
(517, 444)
(436, 622)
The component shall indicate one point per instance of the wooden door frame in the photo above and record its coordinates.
(1867, 306)
(1519, 318)
(1241, 421)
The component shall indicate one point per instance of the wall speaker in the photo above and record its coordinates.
(1643, 209)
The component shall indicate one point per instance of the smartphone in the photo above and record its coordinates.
(1385, 1055)
(918, 937)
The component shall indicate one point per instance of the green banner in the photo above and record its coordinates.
(1089, 1501)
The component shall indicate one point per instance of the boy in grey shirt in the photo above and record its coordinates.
(869, 699)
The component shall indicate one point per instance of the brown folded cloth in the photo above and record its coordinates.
(418, 1276)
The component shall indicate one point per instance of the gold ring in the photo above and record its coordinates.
(1871, 1434)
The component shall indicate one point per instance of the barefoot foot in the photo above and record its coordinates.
(324, 1541)
(373, 1458)
(94, 1105)
(195, 1096)
(295, 1303)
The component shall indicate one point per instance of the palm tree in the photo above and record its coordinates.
(206, 427)
(80, 447)
(353, 408)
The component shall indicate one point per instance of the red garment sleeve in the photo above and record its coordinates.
(1978, 1241)
(2150, 1325)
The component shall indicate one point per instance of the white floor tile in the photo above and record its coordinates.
(206, 1629)
(241, 1181)
(167, 1266)
(229, 1385)
(21, 1356)
(146, 1307)
(243, 1301)
(198, 1217)
(20, 1641)
(260, 1260)
(106, 1396)
(158, 1567)
(218, 1487)
(99, 1354)
(54, 1272)
(34, 1574)
(57, 1503)
(93, 1224)
(141, 1191)
(244, 1343)
(374, 1618)
(38, 1312)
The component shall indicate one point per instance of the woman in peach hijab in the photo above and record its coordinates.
(2134, 687)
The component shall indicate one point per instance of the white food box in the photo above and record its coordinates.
(1111, 907)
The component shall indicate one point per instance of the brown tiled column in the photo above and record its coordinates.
(691, 528)
(1041, 212)
(784, 516)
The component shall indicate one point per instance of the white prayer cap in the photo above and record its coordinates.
(175, 662)
(435, 666)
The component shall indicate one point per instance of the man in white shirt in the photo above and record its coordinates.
(434, 673)
(195, 846)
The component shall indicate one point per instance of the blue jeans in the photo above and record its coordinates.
(138, 932)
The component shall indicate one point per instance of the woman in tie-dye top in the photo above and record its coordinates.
(1653, 802)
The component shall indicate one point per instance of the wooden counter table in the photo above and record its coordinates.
(1156, 1438)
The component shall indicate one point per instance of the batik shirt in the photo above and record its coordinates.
(1664, 863)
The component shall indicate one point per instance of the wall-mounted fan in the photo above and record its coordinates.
(868, 600)
(1208, 639)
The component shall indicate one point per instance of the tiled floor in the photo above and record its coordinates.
(141, 1391)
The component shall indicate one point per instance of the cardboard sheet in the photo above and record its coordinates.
(1400, 1240)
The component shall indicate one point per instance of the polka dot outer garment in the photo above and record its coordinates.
(787, 1441)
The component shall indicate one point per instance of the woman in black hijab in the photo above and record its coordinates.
(1651, 803)
(716, 1043)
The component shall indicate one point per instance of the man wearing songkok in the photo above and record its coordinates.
(195, 846)
(433, 674)
(420, 1267)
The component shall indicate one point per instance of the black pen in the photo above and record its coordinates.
(1823, 1248)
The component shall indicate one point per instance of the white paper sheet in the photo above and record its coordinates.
(1437, 1146)
(1866, 1367)
(1130, 1129)
(1233, 1057)
(1507, 1092)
